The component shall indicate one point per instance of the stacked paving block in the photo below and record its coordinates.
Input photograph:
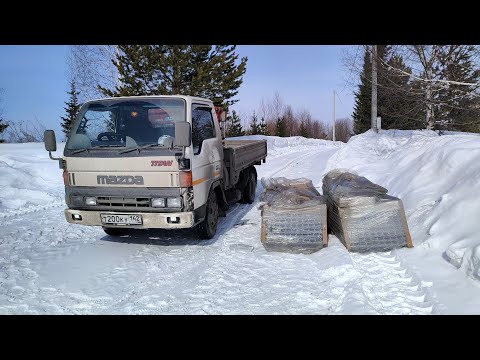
(362, 215)
(294, 216)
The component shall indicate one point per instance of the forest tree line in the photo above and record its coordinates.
(433, 87)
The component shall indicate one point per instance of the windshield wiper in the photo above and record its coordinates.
(95, 147)
(139, 148)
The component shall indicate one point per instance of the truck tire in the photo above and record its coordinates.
(114, 231)
(208, 227)
(248, 195)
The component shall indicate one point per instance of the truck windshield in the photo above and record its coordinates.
(126, 123)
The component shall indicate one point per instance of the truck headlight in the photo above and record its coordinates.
(158, 202)
(91, 201)
(175, 202)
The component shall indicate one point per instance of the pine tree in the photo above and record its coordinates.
(254, 126)
(234, 125)
(196, 70)
(395, 101)
(280, 127)
(362, 116)
(459, 105)
(303, 131)
(71, 109)
(363, 98)
(263, 129)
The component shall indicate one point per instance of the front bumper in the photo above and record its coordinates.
(150, 220)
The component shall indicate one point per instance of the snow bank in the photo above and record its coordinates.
(28, 177)
(438, 179)
(280, 145)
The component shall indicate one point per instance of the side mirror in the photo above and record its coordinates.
(50, 141)
(183, 134)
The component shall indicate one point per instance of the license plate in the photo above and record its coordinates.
(124, 219)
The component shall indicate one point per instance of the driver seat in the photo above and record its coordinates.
(140, 130)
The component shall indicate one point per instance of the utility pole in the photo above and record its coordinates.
(333, 131)
(374, 88)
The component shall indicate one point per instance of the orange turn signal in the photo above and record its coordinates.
(65, 178)
(185, 179)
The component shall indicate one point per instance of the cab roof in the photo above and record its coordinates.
(185, 97)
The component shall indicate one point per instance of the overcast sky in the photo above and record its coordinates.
(35, 82)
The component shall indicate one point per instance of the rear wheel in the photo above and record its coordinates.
(248, 195)
(208, 227)
(114, 231)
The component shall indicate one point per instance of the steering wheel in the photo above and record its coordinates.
(109, 136)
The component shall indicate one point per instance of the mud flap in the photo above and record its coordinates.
(222, 201)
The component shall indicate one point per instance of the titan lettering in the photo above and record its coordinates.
(162, 162)
(120, 180)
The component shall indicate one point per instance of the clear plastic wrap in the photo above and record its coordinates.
(294, 216)
(291, 193)
(362, 215)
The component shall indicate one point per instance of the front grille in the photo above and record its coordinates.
(114, 201)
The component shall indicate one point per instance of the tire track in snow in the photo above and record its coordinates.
(287, 165)
(32, 245)
(31, 209)
(166, 284)
(389, 287)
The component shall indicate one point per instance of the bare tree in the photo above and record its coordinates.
(352, 63)
(271, 110)
(92, 66)
(440, 86)
(290, 121)
(343, 129)
(23, 131)
(277, 106)
(296, 121)
(320, 130)
(304, 120)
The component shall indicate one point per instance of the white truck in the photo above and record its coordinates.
(154, 162)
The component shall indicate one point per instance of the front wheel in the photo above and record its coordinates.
(208, 227)
(115, 231)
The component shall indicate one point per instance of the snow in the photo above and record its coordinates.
(28, 177)
(50, 266)
(437, 177)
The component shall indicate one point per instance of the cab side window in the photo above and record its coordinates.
(202, 127)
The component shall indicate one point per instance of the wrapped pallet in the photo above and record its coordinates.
(294, 216)
(362, 215)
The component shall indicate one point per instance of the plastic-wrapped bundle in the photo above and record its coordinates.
(294, 217)
(288, 192)
(362, 215)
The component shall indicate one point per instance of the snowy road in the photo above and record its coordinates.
(50, 266)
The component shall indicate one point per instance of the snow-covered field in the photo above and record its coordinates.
(50, 266)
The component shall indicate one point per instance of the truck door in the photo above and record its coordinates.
(207, 152)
